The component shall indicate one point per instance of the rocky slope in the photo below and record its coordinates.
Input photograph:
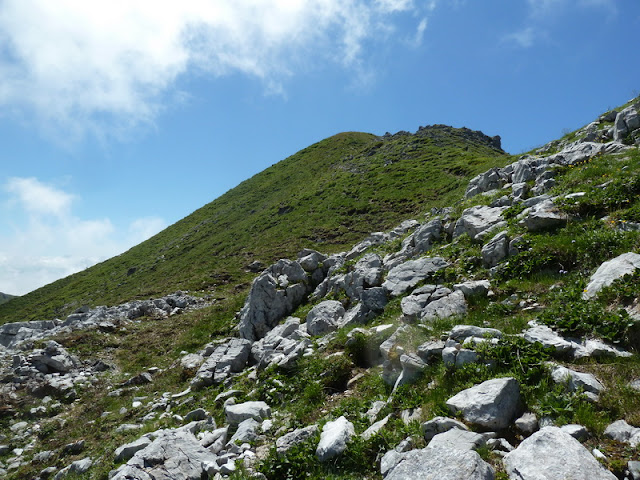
(497, 337)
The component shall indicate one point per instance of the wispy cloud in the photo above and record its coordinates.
(523, 38)
(541, 11)
(83, 64)
(48, 241)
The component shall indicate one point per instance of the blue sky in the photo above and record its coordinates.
(119, 118)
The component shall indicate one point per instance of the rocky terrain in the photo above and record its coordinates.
(495, 338)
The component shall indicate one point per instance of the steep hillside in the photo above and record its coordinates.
(496, 337)
(326, 196)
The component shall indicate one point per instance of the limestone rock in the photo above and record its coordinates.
(242, 411)
(325, 317)
(543, 216)
(577, 381)
(334, 438)
(450, 306)
(277, 292)
(125, 452)
(548, 338)
(174, 454)
(440, 425)
(375, 428)
(473, 289)
(609, 271)
(494, 251)
(285, 442)
(477, 220)
(457, 439)
(564, 457)
(227, 358)
(621, 431)
(440, 464)
(408, 274)
(492, 404)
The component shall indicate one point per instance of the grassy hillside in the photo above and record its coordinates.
(327, 197)
(4, 297)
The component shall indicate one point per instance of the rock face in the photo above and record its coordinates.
(492, 404)
(440, 464)
(609, 271)
(334, 438)
(277, 292)
(551, 454)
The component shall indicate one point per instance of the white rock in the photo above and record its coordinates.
(551, 454)
(609, 271)
(334, 438)
(491, 404)
(440, 464)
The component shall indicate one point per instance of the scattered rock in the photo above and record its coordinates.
(621, 431)
(408, 274)
(227, 358)
(242, 411)
(492, 404)
(334, 438)
(440, 425)
(440, 464)
(564, 457)
(577, 381)
(609, 271)
(285, 442)
(478, 220)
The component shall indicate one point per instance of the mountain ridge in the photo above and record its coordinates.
(197, 253)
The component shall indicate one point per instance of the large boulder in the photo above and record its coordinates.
(543, 216)
(551, 454)
(478, 220)
(440, 464)
(610, 271)
(492, 404)
(325, 317)
(495, 250)
(408, 274)
(235, 414)
(276, 293)
(334, 438)
(452, 305)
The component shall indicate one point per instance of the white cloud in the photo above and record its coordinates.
(80, 63)
(50, 242)
(524, 38)
(419, 35)
(541, 11)
(38, 198)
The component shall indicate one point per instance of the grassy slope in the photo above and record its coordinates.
(327, 196)
(4, 297)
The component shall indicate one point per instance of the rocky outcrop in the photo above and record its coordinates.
(276, 293)
(478, 221)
